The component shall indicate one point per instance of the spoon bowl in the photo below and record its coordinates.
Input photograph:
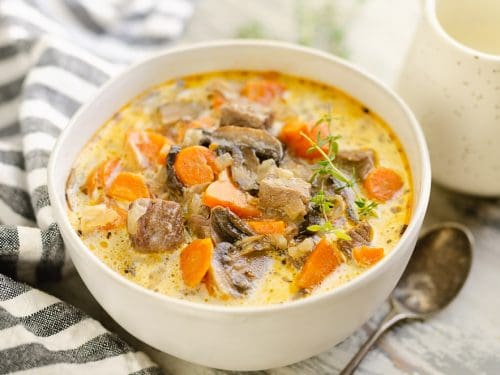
(437, 269)
(435, 274)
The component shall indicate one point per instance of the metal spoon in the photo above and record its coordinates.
(435, 274)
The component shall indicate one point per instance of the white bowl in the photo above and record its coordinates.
(240, 338)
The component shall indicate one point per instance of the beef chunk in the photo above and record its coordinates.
(361, 235)
(249, 115)
(286, 195)
(175, 187)
(155, 224)
(362, 161)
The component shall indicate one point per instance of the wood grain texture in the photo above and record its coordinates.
(464, 338)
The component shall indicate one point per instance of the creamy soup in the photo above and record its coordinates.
(241, 188)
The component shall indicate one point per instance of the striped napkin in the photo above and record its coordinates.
(46, 73)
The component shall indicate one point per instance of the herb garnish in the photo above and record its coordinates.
(325, 203)
(325, 166)
(366, 208)
(328, 227)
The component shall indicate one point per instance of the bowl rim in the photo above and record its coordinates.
(414, 224)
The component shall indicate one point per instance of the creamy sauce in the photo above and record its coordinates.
(358, 127)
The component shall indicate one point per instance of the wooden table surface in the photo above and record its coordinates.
(465, 337)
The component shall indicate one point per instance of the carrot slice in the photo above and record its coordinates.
(217, 100)
(209, 284)
(224, 193)
(382, 183)
(290, 134)
(99, 177)
(262, 90)
(367, 256)
(320, 263)
(195, 165)
(267, 226)
(148, 145)
(128, 186)
(156, 149)
(195, 261)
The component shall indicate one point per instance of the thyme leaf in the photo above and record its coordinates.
(325, 166)
(366, 208)
(325, 204)
(328, 147)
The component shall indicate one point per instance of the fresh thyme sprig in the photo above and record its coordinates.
(325, 166)
(324, 202)
(366, 208)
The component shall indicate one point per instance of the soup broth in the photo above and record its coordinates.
(241, 188)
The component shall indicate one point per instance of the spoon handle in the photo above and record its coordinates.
(392, 317)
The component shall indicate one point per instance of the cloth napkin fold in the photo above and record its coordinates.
(46, 73)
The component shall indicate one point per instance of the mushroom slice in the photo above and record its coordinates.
(313, 217)
(265, 145)
(174, 185)
(173, 112)
(349, 196)
(244, 167)
(227, 227)
(261, 243)
(234, 274)
(155, 225)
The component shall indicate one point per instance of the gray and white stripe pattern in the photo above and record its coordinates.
(44, 79)
(43, 335)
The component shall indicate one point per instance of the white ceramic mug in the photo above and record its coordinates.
(451, 80)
